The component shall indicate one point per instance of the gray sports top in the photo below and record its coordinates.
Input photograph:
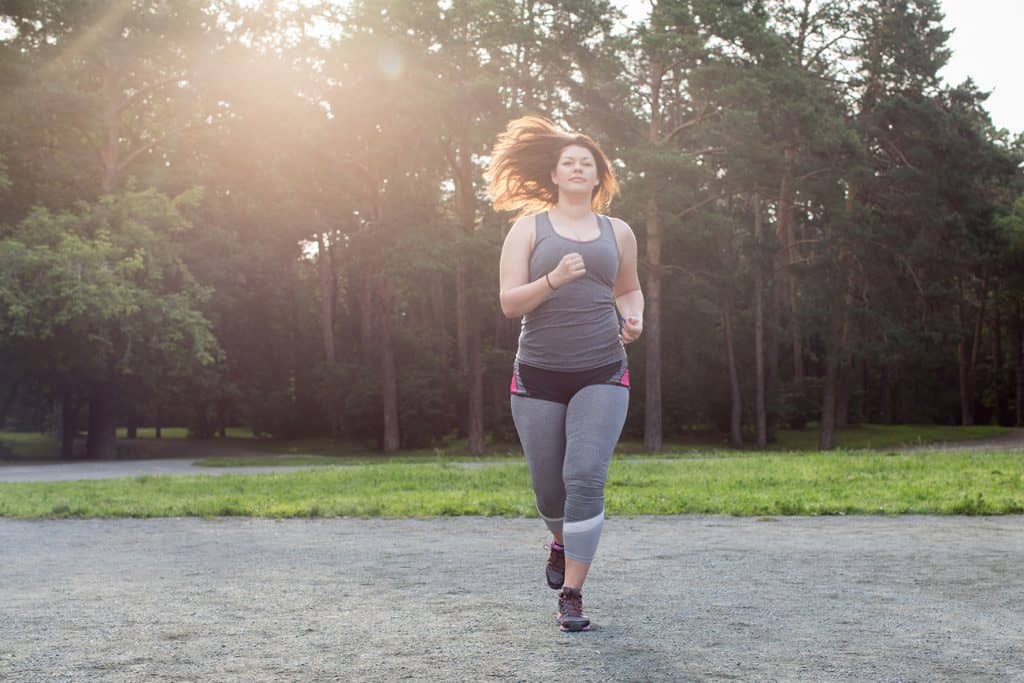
(577, 326)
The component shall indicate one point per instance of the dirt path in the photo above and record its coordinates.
(694, 598)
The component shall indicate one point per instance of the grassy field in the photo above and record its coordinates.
(841, 482)
(31, 446)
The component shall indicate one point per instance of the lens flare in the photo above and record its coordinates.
(390, 62)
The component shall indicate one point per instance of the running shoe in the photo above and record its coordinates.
(555, 569)
(570, 611)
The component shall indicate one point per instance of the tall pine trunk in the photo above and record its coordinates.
(787, 239)
(736, 399)
(1018, 359)
(968, 361)
(366, 316)
(467, 325)
(389, 379)
(1002, 400)
(833, 355)
(760, 407)
(652, 332)
(325, 267)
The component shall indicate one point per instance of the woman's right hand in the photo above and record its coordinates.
(568, 269)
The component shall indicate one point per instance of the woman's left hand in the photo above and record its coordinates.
(631, 329)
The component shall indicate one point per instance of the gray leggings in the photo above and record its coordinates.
(568, 449)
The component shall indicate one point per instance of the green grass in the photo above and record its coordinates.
(773, 484)
(181, 433)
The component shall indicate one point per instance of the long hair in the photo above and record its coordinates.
(519, 174)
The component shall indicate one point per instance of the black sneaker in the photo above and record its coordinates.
(570, 611)
(555, 569)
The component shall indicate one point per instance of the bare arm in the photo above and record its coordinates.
(629, 298)
(518, 295)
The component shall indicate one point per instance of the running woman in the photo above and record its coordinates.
(571, 273)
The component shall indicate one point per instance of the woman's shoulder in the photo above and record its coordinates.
(620, 226)
(527, 222)
(525, 228)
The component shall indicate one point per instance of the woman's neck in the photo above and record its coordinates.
(574, 208)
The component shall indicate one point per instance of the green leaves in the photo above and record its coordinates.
(102, 287)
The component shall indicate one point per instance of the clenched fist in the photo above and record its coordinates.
(568, 269)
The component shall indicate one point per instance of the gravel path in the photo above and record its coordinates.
(910, 598)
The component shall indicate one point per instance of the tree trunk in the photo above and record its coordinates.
(736, 402)
(439, 315)
(833, 356)
(12, 394)
(846, 368)
(68, 424)
(967, 363)
(1002, 400)
(476, 395)
(327, 313)
(222, 418)
(367, 344)
(101, 443)
(787, 239)
(652, 331)
(966, 400)
(462, 315)
(760, 407)
(389, 380)
(158, 421)
(888, 385)
(326, 303)
(1018, 359)
(772, 351)
(979, 327)
(467, 324)
(203, 430)
(846, 371)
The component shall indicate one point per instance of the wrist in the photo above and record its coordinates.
(547, 277)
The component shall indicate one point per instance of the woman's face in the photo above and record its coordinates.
(576, 170)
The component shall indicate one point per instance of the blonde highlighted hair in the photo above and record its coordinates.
(519, 174)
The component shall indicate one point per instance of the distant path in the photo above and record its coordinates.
(689, 598)
(112, 469)
(1014, 441)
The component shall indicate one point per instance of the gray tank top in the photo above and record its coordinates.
(577, 327)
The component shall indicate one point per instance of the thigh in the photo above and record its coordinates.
(593, 423)
(541, 428)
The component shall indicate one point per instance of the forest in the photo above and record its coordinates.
(274, 215)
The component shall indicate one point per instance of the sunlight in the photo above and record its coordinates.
(96, 32)
(390, 62)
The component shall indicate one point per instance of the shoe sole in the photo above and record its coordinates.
(574, 627)
(552, 584)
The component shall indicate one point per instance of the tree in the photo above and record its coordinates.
(93, 297)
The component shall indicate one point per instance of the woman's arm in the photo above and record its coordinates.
(517, 294)
(629, 298)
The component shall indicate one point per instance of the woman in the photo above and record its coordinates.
(566, 269)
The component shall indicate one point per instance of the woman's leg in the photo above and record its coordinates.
(541, 428)
(593, 424)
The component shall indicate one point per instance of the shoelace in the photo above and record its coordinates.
(556, 559)
(571, 605)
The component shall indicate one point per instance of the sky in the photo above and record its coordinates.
(984, 33)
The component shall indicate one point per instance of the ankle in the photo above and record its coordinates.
(555, 545)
